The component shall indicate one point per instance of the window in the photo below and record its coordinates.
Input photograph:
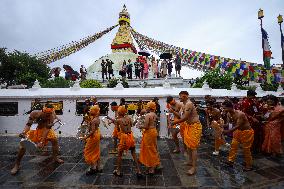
(8, 108)
(104, 108)
(58, 106)
(79, 108)
(132, 106)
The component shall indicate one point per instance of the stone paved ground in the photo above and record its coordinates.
(41, 172)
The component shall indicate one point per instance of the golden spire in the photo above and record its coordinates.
(124, 16)
(123, 41)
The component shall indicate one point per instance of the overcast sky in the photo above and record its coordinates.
(219, 27)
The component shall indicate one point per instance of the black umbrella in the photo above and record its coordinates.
(166, 55)
(67, 67)
(144, 53)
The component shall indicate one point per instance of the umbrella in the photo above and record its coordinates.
(144, 53)
(67, 67)
(166, 55)
(54, 69)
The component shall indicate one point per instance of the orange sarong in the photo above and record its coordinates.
(115, 133)
(192, 135)
(126, 141)
(181, 130)
(219, 142)
(245, 138)
(219, 138)
(36, 135)
(92, 148)
(148, 150)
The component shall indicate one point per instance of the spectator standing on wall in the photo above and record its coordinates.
(109, 68)
(129, 69)
(137, 67)
(104, 69)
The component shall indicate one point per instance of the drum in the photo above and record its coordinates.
(82, 131)
(58, 124)
(139, 122)
(30, 146)
(105, 122)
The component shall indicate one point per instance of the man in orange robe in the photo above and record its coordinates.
(115, 133)
(148, 150)
(192, 129)
(174, 109)
(43, 133)
(215, 121)
(126, 141)
(242, 134)
(92, 147)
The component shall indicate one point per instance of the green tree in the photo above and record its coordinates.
(58, 82)
(215, 79)
(21, 68)
(269, 86)
(91, 83)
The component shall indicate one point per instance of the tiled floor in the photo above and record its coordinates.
(40, 172)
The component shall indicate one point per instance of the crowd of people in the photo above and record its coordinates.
(141, 68)
(257, 124)
(264, 115)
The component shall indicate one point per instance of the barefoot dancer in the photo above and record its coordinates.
(127, 141)
(174, 109)
(192, 130)
(92, 147)
(149, 153)
(41, 135)
(242, 134)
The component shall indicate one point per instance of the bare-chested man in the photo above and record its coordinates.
(116, 132)
(41, 135)
(192, 130)
(174, 114)
(92, 147)
(127, 141)
(242, 134)
(148, 150)
(211, 112)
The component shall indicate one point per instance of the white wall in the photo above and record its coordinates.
(24, 97)
(15, 124)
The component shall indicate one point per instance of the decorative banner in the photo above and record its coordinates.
(198, 60)
(63, 51)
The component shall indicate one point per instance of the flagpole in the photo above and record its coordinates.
(280, 20)
(260, 16)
